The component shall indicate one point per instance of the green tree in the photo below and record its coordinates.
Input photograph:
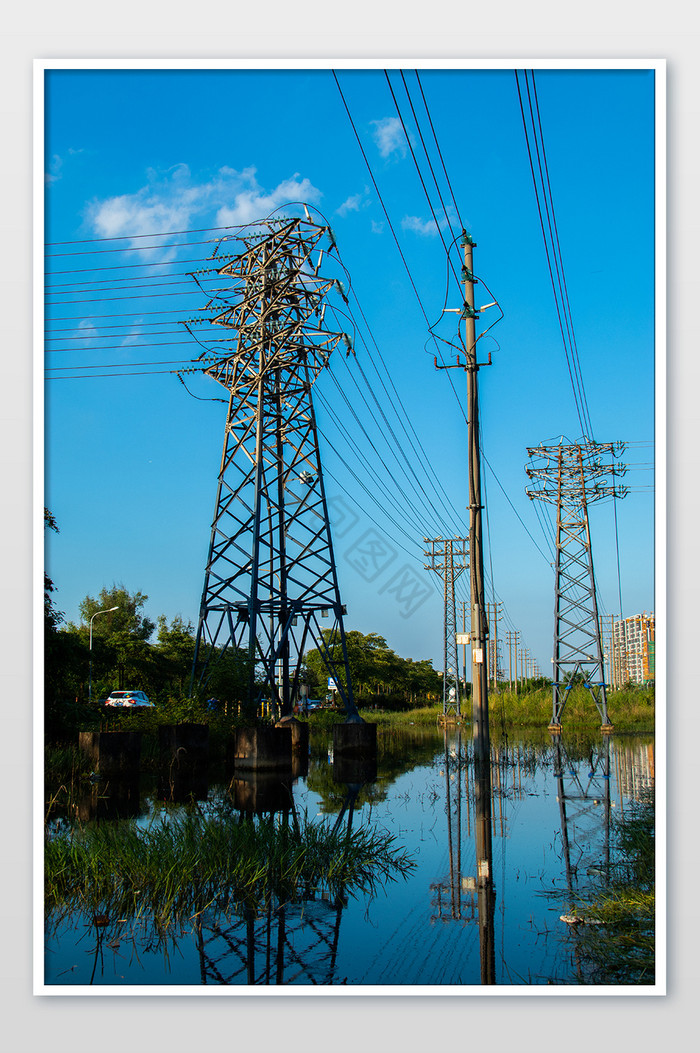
(375, 669)
(423, 682)
(227, 676)
(65, 659)
(122, 657)
(175, 653)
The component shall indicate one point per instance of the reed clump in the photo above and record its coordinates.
(181, 866)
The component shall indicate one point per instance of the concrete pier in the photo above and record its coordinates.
(263, 748)
(300, 733)
(112, 752)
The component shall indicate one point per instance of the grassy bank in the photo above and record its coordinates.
(629, 710)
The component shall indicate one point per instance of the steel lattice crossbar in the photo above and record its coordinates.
(270, 573)
(570, 477)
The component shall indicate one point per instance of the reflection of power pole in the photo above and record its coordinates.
(570, 477)
(449, 900)
(448, 559)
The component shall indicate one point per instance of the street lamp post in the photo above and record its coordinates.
(105, 611)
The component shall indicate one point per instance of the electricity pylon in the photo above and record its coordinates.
(447, 558)
(570, 477)
(270, 574)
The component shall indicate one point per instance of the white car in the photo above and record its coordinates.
(128, 699)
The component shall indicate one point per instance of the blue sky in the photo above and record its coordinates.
(131, 460)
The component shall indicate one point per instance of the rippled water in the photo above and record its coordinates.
(450, 922)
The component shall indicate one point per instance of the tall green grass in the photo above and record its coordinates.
(178, 868)
(631, 709)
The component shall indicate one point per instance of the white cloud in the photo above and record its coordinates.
(56, 164)
(389, 136)
(377, 228)
(54, 172)
(354, 203)
(251, 202)
(424, 227)
(88, 332)
(171, 201)
(428, 228)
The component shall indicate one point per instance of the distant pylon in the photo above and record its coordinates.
(270, 575)
(448, 559)
(570, 477)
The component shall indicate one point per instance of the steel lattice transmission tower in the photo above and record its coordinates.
(270, 575)
(571, 477)
(448, 559)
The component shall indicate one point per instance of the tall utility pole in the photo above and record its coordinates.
(448, 559)
(571, 476)
(479, 625)
(509, 641)
(494, 614)
(270, 575)
(513, 639)
(524, 653)
(465, 637)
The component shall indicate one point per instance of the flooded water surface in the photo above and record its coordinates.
(458, 914)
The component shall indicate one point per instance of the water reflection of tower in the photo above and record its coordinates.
(468, 897)
(583, 795)
(454, 898)
(284, 942)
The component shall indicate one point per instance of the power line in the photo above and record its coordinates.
(437, 145)
(552, 251)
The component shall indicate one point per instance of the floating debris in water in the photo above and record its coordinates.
(576, 919)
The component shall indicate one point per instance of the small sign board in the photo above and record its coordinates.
(462, 638)
(332, 686)
(478, 656)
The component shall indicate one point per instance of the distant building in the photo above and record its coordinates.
(633, 651)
